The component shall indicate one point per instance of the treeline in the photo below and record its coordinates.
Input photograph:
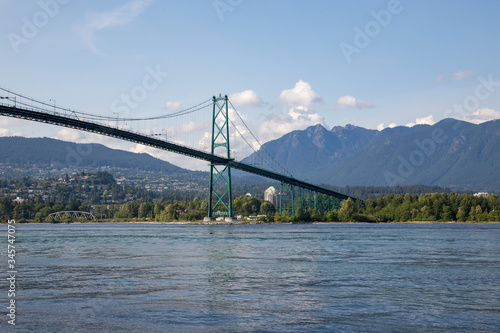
(31, 211)
(37, 211)
(375, 192)
(425, 207)
(98, 188)
(166, 211)
(390, 208)
(172, 211)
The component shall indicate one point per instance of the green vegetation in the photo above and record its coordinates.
(247, 206)
(88, 188)
(26, 152)
(390, 208)
(426, 207)
(109, 201)
(375, 192)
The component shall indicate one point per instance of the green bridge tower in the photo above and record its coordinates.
(220, 199)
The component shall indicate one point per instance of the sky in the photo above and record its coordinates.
(285, 64)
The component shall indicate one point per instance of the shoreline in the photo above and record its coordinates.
(257, 222)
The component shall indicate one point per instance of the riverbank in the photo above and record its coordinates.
(259, 222)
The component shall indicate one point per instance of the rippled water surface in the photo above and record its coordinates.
(258, 278)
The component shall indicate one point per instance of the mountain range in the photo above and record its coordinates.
(46, 152)
(450, 153)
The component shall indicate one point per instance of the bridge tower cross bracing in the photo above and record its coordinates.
(287, 192)
(220, 199)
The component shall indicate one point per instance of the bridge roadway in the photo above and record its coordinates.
(55, 118)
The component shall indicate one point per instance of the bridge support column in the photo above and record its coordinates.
(220, 199)
(287, 191)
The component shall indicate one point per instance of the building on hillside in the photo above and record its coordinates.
(272, 196)
(18, 200)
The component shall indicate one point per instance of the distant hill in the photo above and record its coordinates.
(451, 153)
(46, 152)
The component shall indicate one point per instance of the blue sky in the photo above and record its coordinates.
(285, 64)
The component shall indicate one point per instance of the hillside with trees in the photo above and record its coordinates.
(440, 207)
(451, 153)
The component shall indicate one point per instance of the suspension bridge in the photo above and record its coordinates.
(218, 154)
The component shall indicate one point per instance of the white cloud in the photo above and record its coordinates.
(482, 115)
(238, 129)
(441, 79)
(299, 116)
(301, 95)
(457, 76)
(279, 124)
(463, 75)
(351, 102)
(429, 120)
(67, 134)
(6, 122)
(173, 106)
(176, 159)
(188, 128)
(71, 135)
(119, 16)
(8, 132)
(247, 97)
(12, 123)
(381, 126)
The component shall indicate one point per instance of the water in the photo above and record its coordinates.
(257, 278)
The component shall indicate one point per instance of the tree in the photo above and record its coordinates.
(267, 208)
(172, 212)
(42, 214)
(158, 208)
(346, 211)
(145, 210)
(317, 216)
(462, 214)
(246, 205)
(494, 215)
(126, 211)
(403, 212)
(332, 216)
(302, 215)
(475, 213)
(6, 208)
(446, 214)
(369, 207)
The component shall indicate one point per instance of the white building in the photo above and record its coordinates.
(272, 196)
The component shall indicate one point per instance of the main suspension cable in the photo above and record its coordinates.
(91, 116)
(258, 142)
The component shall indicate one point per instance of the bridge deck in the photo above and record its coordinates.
(60, 120)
